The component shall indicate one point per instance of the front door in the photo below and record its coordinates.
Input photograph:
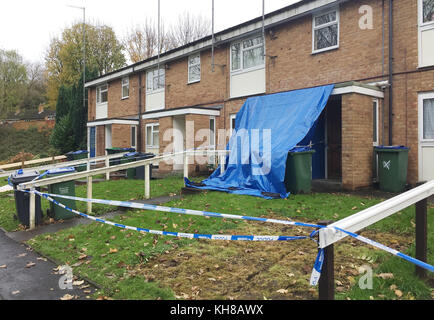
(426, 136)
(92, 142)
(334, 139)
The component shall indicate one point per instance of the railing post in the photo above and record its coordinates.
(421, 235)
(107, 164)
(185, 164)
(222, 163)
(147, 182)
(32, 209)
(326, 286)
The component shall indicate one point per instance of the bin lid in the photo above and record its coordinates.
(60, 170)
(131, 154)
(78, 152)
(145, 155)
(391, 148)
(301, 149)
(20, 176)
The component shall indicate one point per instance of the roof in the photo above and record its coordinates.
(293, 11)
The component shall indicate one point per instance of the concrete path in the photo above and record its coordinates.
(25, 275)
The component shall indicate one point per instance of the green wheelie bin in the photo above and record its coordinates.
(77, 155)
(117, 161)
(298, 173)
(66, 188)
(392, 167)
(130, 157)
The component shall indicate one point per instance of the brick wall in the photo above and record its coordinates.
(121, 135)
(38, 124)
(357, 137)
(100, 141)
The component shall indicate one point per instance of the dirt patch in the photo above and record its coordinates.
(258, 270)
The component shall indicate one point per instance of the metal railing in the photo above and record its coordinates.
(356, 222)
(88, 174)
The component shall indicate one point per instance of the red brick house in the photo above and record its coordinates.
(378, 53)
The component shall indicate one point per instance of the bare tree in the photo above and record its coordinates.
(189, 28)
(141, 42)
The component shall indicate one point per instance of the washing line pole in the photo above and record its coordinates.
(212, 31)
(158, 41)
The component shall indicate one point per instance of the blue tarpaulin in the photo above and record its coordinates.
(266, 128)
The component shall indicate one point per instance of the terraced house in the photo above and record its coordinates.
(378, 53)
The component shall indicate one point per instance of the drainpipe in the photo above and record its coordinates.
(139, 133)
(390, 72)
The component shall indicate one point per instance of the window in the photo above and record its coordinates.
(248, 53)
(155, 80)
(101, 94)
(428, 119)
(212, 132)
(426, 33)
(427, 11)
(134, 137)
(325, 31)
(232, 124)
(152, 135)
(125, 88)
(194, 68)
(375, 122)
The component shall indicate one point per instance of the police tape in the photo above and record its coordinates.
(176, 234)
(316, 271)
(144, 206)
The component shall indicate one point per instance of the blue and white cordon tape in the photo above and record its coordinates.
(316, 271)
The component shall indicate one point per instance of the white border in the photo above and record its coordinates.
(152, 133)
(422, 27)
(188, 68)
(179, 112)
(112, 121)
(422, 142)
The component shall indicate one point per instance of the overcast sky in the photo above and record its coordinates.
(28, 25)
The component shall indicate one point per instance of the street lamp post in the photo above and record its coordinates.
(84, 52)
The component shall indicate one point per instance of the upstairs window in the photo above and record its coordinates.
(101, 94)
(125, 88)
(325, 31)
(427, 11)
(155, 80)
(248, 53)
(194, 68)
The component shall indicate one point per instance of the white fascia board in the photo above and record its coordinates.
(180, 112)
(114, 121)
(116, 75)
(360, 90)
(226, 37)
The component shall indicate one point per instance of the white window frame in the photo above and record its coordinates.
(152, 125)
(314, 27)
(422, 26)
(377, 119)
(231, 118)
(153, 76)
(240, 42)
(98, 94)
(126, 84)
(192, 65)
(422, 97)
(212, 146)
(135, 137)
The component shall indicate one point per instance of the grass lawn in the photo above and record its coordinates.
(132, 265)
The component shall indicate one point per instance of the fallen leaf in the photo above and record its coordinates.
(77, 264)
(212, 279)
(3, 266)
(86, 291)
(398, 293)
(77, 283)
(22, 255)
(113, 250)
(30, 264)
(15, 292)
(282, 291)
(67, 297)
(81, 257)
(354, 208)
(385, 275)
(393, 287)
(41, 259)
